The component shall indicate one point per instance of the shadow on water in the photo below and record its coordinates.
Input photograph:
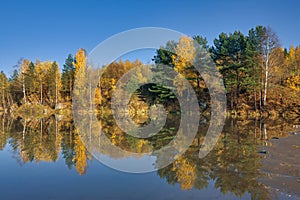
(256, 157)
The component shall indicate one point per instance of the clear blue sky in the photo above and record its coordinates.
(50, 30)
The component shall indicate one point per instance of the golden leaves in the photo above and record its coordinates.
(185, 173)
(80, 60)
(80, 158)
(185, 54)
(293, 82)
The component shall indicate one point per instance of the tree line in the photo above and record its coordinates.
(258, 73)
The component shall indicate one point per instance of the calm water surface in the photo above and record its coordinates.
(45, 159)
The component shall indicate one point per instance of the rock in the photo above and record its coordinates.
(293, 133)
(275, 138)
(263, 151)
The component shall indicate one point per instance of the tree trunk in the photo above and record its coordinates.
(266, 89)
(56, 92)
(23, 88)
(70, 85)
(231, 99)
(265, 135)
(41, 93)
(3, 99)
(41, 130)
(90, 91)
(237, 90)
(255, 103)
(3, 129)
(266, 76)
(260, 127)
(56, 128)
(260, 97)
(24, 130)
(255, 125)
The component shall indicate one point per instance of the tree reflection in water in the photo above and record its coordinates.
(233, 165)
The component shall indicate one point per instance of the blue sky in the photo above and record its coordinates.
(50, 30)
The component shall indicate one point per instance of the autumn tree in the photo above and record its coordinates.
(297, 60)
(178, 56)
(23, 72)
(293, 82)
(185, 172)
(292, 68)
(80, 157)
(270, 43)
(4, 90)
(183, 61)
(53, 82)
(79, 63)
(43, 79)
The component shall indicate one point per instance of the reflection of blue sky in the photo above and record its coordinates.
(54, 181)
(130, 164)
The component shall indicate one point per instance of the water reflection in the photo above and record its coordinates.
(44, 140)
(234, 165)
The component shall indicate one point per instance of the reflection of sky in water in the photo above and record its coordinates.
(144, 163)
(52, 180)
(234, 171)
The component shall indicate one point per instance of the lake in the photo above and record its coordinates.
(46, 159)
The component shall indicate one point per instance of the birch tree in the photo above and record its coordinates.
(23, 69)
(269, 44)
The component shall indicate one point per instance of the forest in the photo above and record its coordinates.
(261, 78)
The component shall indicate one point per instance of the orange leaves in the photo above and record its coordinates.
(293, 82)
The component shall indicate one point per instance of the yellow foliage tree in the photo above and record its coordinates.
(185, 173)
(41, 71)
(80, 87)
(185, 54)
(80, 60)
(183, 62)
(297, 59)
(58, 84)
(293, 82)
(80, 158)
(143, 146)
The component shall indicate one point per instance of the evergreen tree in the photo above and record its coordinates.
(229, 55)
(68, 78)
